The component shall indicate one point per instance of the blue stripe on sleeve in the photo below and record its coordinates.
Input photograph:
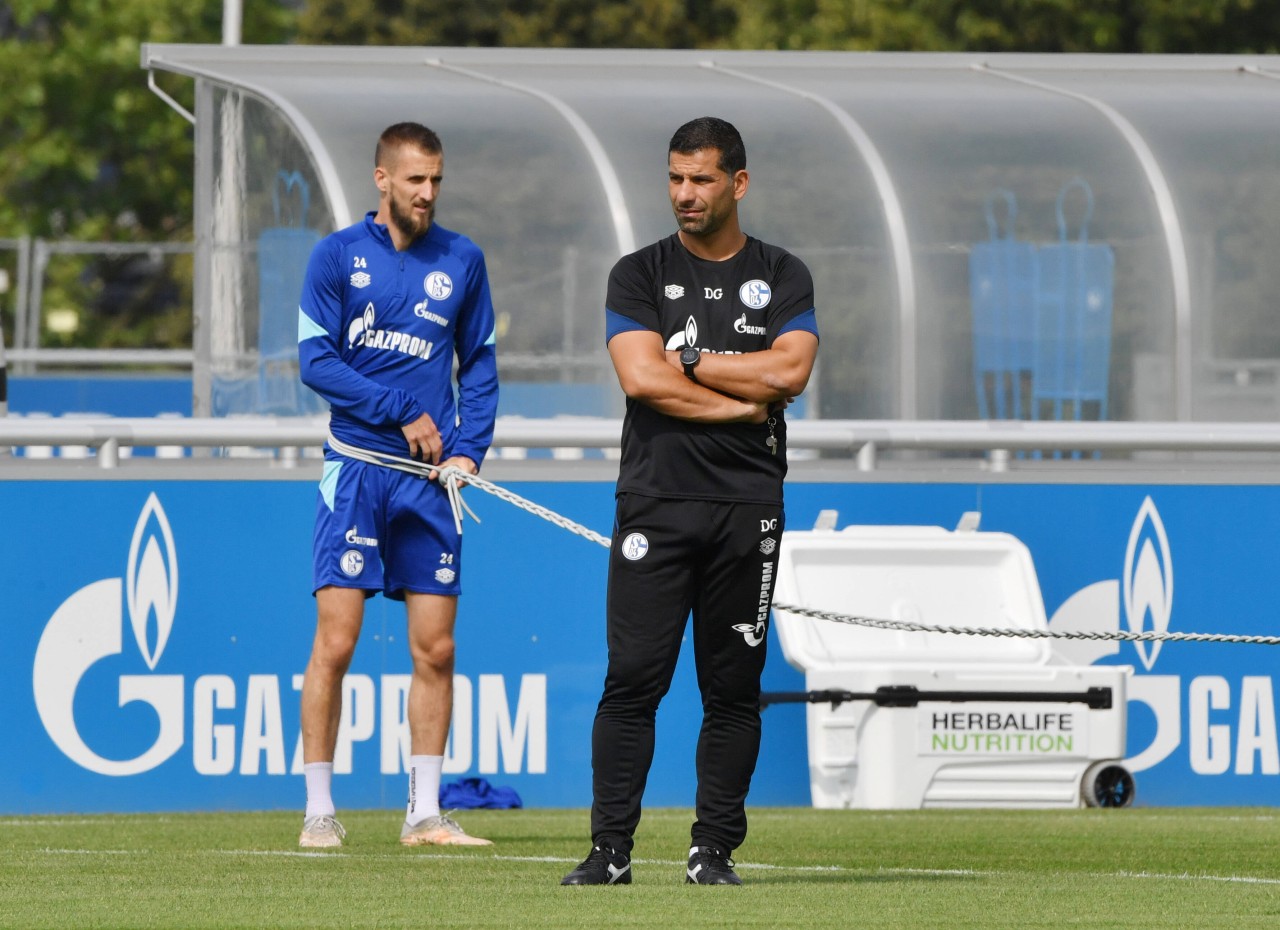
(805, 322)
(307, 327)
(615, 323)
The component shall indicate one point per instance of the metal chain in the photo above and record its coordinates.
(906, 626)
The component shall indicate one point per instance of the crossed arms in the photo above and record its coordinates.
(730, 388)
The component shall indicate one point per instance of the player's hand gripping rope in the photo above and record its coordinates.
(453, 477)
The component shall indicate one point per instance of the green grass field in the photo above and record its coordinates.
(1126, 869)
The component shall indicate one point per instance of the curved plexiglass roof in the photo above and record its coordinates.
(1106, 212)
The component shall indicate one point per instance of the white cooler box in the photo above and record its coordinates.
(997, 721)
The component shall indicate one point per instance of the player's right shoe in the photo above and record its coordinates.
(604, 866)
(321, 832)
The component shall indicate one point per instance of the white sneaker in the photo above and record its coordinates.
(441, 830)
(321, 832)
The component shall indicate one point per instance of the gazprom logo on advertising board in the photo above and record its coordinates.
(236, 724)
(1231, 724)
(89, 627)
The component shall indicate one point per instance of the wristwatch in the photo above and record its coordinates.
(689, 358)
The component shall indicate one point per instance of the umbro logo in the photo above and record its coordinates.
(361, 279)
(767, 545)
(673, 291)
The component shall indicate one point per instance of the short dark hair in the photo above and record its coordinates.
(709, 132)
(415, 134)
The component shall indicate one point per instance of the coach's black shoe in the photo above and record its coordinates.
(710, 866)
(604, 866)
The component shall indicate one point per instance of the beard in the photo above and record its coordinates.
(713, 217)
(410, 225)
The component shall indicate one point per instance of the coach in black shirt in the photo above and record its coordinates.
(712, 333)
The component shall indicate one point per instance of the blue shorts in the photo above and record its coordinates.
(385, 530)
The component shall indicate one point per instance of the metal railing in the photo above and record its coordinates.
(33, 258)
(994, 442)
(102, 358)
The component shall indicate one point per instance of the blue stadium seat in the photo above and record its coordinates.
(283, 252)
(1073, 303)
(1001, 278)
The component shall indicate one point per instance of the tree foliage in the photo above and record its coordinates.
(88, 151)
(1120, 26)
(522, 23)
(1117, 26)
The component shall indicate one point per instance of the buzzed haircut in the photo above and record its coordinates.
(709, 132)
(415, 134)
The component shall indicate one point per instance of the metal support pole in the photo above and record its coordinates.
(867, 457)
(569, 296)
(4, 386)
(29, 335)
(24, 287)
(232, 17)
(109, 454)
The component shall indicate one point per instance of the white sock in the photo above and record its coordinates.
(319, 777)
(424, 788)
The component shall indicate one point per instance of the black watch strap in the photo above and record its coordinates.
(689, 358)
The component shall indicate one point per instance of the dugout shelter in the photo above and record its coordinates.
(886, 173)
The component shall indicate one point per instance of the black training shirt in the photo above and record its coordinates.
(738, 305)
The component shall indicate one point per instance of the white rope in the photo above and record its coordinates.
(453, 478)
(1114, 635)
(452, 474)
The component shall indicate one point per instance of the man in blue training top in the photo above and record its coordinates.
(386, 305)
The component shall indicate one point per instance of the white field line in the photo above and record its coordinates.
(90, 852)
(1244, 879)
(71, 822)
(754, 866)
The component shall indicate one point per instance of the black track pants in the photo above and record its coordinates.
(670, 557)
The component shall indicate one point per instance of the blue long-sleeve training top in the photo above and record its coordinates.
(378, 331)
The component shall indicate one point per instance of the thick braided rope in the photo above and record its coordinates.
(1116, 635)
(453, 474)
(455, 479)
(451, 477)
(536, 509)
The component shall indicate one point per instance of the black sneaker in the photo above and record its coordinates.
(710, 866)
(604, 866)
